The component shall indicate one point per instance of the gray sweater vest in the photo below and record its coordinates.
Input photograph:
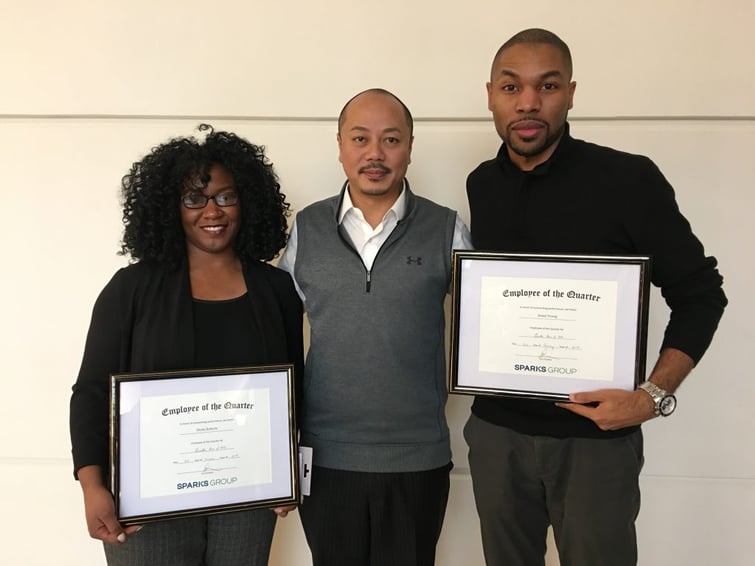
(374, 379)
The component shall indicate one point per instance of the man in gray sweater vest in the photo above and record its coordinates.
(373, 265)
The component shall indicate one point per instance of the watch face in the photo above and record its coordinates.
(667, 405)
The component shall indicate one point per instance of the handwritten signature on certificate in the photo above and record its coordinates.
(548, 335)
(208, 453)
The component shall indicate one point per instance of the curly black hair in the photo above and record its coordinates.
(152, 189)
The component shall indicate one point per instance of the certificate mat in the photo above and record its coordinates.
(198, 442)
(544, 326)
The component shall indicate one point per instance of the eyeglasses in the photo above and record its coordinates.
(196, 199)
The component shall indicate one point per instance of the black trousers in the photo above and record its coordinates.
(375, 519)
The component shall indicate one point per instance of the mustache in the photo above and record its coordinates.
(529, 119)
(373, 165)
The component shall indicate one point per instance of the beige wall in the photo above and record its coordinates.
(87, 87)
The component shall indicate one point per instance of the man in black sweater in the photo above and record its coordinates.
(575, 465)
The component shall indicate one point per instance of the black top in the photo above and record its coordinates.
(226, 334)
(589, 199)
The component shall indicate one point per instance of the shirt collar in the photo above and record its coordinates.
(398, 207)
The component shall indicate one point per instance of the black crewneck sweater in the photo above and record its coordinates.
(589, 199)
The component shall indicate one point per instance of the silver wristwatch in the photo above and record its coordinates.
(665, 402)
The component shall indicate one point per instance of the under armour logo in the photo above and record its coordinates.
(411, 259)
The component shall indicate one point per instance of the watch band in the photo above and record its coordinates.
(665, 402)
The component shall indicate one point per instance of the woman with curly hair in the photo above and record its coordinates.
(201, 219)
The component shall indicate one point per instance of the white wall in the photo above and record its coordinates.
(87, 87)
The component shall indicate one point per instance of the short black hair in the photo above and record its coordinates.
(152, 189)
(407, 114)
(537, 36)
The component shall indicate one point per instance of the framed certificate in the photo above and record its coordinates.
(202, 441)
(545, 326)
